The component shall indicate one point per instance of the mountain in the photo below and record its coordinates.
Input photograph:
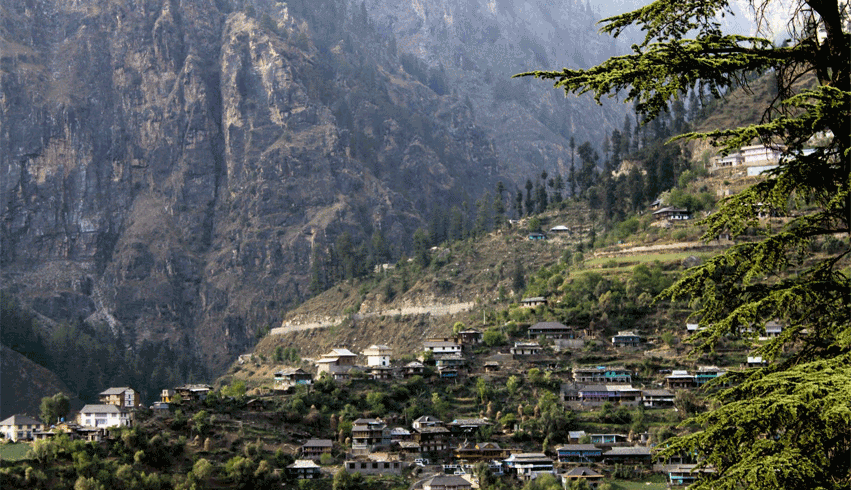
(172, 170)
(478, 45)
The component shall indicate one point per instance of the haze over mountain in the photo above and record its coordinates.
(170, 169)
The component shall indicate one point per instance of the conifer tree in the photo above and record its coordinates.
(788, 424)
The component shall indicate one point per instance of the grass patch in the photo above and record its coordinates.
(15, 451)
(655, 482)
(632, 260)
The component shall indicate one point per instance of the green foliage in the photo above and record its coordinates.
(234, 390)
(493, 337)
(786, 425)
(54, 407)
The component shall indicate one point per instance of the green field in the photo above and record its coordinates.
(13, 451)
(655, 482)
(632, 260)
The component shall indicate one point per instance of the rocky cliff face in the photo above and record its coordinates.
(169, 167)
(480, 44)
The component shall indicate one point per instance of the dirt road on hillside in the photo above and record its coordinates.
(433, 310)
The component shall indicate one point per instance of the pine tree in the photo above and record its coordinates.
(786, 425)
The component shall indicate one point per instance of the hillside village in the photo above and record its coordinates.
(450, 447)
(511, 401)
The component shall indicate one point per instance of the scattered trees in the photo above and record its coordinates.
(793, 428)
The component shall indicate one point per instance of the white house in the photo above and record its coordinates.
(378, 355)
(442, 348)
(101, 416)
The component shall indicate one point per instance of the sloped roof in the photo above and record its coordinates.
(342, 353)
(549, 326)
(115, 391)
(448, 481)
(303, 463)
(318, 443)
(101, 409)
(582, 471)
(20, 420)
(628, 451)
(579, 447)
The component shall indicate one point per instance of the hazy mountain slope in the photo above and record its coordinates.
(480, 44)
(23, 383)
(169, 167)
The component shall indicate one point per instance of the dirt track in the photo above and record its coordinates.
(433, 310)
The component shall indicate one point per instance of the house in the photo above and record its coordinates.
(432, 439)
(491, 366)
(442, 347)
(414, 368)
(374, 466)
(167, 395)
(368, 434)
(707, 373)
(657, 398)
(671, 214)
(315, 448)
(536, 235)
(679, 379)
(617, 394)
(304, 469)
(400, 434)
(529, 465)
(483, 451)
(569, 392)
(409, 448)
(470, 336)
(589, 476)
(455, 361)
(686, 474)
(754, 362)
(579, 453)
(121, 397)
(631, 455)
(161, 407)
(448, 372)
(193, 392)
(379, 372)
(626, 339)
(551, 330)
(761, 154)
(467, 425)
(607, 439)
(533, 302)
(378, 355)
(602, 374)
(20, 428)
(427, 421)
(336, 363)
(574, 436)
(447, 482)
(773, 329)
(560, 229)
(288, 378)
(102, 416)
(526, 349)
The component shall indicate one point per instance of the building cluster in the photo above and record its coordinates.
(115, 409)
(595, 386)
(758, 157)
(377, 449)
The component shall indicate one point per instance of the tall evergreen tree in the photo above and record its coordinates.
(788, 424)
